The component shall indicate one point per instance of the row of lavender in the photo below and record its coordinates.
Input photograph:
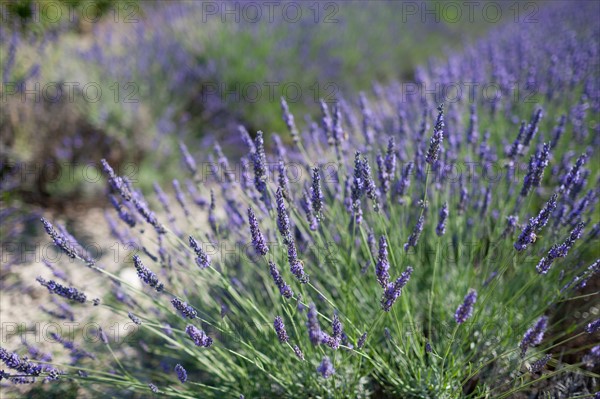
(385, 267)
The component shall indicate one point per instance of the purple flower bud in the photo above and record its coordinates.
(316, 194)
(394, 290)
(185, 309)
(361, 341)
(314, 329)
(284, 289)
(573, 175)
(257, 238)
(198, 336)
(280, 330)
(146, 275)
(534, 335)
(383, 265)
(181, 373)
(465, 310)
(288, 118)
(202, 260)
(134, 318)
(69, 293)
(296, 266)
(189, 160)
(298, 352)
(283, 221)
(326, 367)
(437, 138)
(116, 182)
(539, 364)
(153, 387)
(414, 237)
(441, 227)
(593, 326)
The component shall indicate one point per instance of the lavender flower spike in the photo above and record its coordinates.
(146, 275)
(534, 335)
(257, 238)
(326, 367)
(593, 326)
(189, 160)
(284, 289)
(436, 140)
(202, 260)
(317, 194)
(64, 243)
(383, 265)
(314, 329)
(441, 227)
(465, 310)
(414, 237)
(181, 373)
(283, 220)
(70, 293)
(280, 330)
(185, 309)
(394, 290)
(198, 336)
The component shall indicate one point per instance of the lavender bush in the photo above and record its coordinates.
(413, 254)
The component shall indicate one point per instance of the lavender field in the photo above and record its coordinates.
(387, 199)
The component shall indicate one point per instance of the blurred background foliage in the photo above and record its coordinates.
(170, 71)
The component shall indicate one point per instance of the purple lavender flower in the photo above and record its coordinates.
(260, 168)
(326, 122)
(593, 357)
(185, 309)
(257, 238)
(212, 219)
(317, 194)
(361, 341)
(288, 118)
(64, 243)
(146, 275)
(358, 181)
(134, 318)
(559, 251)
(284, 289)
(298, 352)
(516, 147)
(534, 335)
(280, 330)
(441, 227)
(404, 181)
(558, 131)
(13, 361)
(544, 215)
(472, 134)
(369, 185)
(414, 237)
(247, 139)
(383, 265)
(334, 340)
(465, 310)
(70, 293)
(153, 387)
(593, 326)
(116, 182)
(436, 140)
(394, 290)
(539, 364)
(367, 116)
(326, 367)
(390, 159)
(179, 195)
(283, 221)
(202, 259)
(198, 336)
(537, 164)
(189, 160)
(572, 175)
(314, 329)
(181, 373)
(296, 266)
(283, 181)
(533, 127)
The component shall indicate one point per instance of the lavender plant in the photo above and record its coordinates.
(422, 284)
